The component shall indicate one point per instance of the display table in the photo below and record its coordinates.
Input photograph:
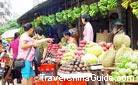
(125, 83)
(75, 75)
(87, 78)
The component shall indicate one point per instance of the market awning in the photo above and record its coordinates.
(50, 7)
(10, 33)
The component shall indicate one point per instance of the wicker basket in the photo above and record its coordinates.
(104, 37)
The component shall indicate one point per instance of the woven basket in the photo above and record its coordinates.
(104, 37)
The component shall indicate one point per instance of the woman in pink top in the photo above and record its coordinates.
(14, 45)
(88, 29)
(26, 47)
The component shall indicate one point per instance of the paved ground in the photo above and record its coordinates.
(9, 84)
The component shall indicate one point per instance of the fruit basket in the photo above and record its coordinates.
(104, 37)
(74, 83)
(47, 67)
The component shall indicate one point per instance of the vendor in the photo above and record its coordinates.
(69, 38)
(118, 28)
(38, 36)
(37, 20)
(88, 29)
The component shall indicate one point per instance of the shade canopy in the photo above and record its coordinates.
(10, 33)
(51, 7)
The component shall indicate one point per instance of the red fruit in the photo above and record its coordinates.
(102, 44)
(104, 48)
(60, 53)
(83, 42)
(58, 60)
(108, 45)
(80, 52)
(62, 50)
(80, 48)
(81, 45)
(55, 45)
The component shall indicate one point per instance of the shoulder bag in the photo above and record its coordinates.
(20, 63)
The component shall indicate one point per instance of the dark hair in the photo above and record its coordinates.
(0, 41)
(114, 16)
(16, 35)
(67, 33)
(39, 30)
(86, 17)
(36, 15)
(27, 26)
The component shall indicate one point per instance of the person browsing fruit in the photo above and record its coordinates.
(26, 47)
(88, 34)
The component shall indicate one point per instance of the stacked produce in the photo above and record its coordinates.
(66, 53)
(93, 9)
(73, 66)
(125, 3)
(53, 48)
(88, 52)
(67, 57)
(110, 57)
(128, 67)
(134, 6)
(123, 58)
(84, 9)
(121, 39)
(107, 59)
(50, 58)
(105, 46)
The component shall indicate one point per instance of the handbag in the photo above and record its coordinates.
(20, 63)
(2, 71)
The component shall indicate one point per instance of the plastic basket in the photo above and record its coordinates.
(74, 83)
(48, 82)
(41, 83)
(47, 67)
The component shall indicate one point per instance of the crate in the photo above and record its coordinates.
(74, 82)
(48, 69)
(47, 82)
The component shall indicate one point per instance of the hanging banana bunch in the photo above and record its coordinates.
(125, 3)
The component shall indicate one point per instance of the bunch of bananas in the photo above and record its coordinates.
(93, 9)
(125, 3)
(112, 4)
(134, 6)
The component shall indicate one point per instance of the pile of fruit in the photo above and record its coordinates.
(134, 6)
(50, 58)
(73, 66)
(53, 48)
(66, 53)
(111, 56)
(128, 68)
(88, 52)
(105, 46)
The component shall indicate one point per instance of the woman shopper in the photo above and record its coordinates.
(26, 52)
(14, 52)
(88, 34)
(14, 46)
